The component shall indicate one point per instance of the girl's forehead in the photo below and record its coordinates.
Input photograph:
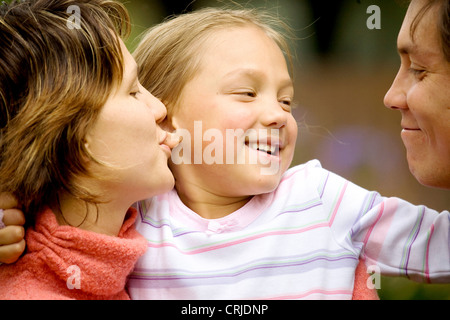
(238, 32)
(238, 43)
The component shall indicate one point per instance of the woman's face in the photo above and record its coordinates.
(421, 93)
(127, 137)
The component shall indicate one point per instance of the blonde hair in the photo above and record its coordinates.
(169, 54)
(53, 82)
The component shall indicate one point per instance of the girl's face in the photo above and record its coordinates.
(127, 137)
(421, 93)
(240, 100)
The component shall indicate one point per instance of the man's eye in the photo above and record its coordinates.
(418, 72)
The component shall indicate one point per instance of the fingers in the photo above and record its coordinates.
(8, 201)
(11, 253)
(12, 243)
(11, 235)
(13, 217)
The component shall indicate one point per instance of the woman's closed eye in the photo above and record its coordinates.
(135, 91)
(135, 88)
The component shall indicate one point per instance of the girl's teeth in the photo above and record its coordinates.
(263, 147)
(253, 146)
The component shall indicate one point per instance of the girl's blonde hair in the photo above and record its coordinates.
(55, 76)
(169, 54)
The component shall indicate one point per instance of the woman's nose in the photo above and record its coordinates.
(172, 140)
(158, 108)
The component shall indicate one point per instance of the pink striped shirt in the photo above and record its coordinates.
(302, 241)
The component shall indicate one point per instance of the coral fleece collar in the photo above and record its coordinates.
(103, 261)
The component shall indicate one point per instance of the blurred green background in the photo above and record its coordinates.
(342, 73)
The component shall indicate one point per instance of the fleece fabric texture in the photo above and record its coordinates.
(64, 262)
(361, 290)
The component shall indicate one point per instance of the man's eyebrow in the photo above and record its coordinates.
(407, 49)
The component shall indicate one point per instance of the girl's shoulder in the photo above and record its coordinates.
(312, 179)
(309, 173)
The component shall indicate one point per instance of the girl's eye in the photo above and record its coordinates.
(287, 104)
(246, 96)
(249, 94)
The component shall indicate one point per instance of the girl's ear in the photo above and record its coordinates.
(170, 124)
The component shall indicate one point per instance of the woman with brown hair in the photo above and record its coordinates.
(80, 143)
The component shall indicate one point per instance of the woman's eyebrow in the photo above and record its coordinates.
(131, 77)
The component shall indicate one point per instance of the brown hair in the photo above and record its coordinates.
(54, 79)
(443, 22)
(169, 54)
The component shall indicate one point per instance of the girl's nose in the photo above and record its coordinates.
(274, 115)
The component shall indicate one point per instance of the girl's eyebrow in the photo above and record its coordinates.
(254, 73)
(244, 72)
